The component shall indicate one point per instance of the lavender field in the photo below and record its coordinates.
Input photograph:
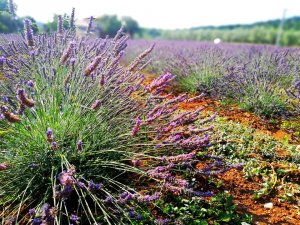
(261, 78)
(115, 130)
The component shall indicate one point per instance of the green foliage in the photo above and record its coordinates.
(52, 26)
(131, 26)
(220, 209)
(8, 23)
(259, 35)
(263, 102)
(107, 25)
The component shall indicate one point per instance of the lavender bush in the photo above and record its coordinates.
(74, 123)
(253, 75)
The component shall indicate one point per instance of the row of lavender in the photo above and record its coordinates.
(263, 79)
(75, 123)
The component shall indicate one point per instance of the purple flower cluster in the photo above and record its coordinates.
(161, 82)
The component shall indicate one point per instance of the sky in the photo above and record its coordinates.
(165, 14)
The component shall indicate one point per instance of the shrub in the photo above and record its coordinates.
(76, 124)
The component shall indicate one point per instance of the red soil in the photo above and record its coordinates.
(234, 180)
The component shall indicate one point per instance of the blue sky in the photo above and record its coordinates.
(166, 14)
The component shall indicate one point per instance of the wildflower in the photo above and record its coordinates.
(28, 33)
(79, 145)
(23, 98)
(136, 127)
(96, 104)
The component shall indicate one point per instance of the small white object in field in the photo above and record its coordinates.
(217, 41)
(268, 205)
(244, 223)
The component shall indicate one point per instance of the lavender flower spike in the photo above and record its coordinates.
(28, 33)
(136, 127)
(89, 28)
(79, 145)
(2, 61)
(11, 7)
(72, 19)
(59, 24)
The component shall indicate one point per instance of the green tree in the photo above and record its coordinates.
(8, 23)
(52, 26)
(131, 25)
(107, 25)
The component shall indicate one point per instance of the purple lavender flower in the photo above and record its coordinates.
(102, 80)
(92, 186)
(161, 221)
(148, 198)
(108, 200)
(89, 28)
(49, 134)
(2, 61)
(132, 214)
(79, 145)
(59, 24)
(31, 212)
(4, 99)
(36, 221)
(24, 99)
(80, 184)
(66, 178)
(136, 127)
(54, 145)
(96, 104)
(3, 166)
(74, 218)
(28, 33)
(30, 83)
(72, 19)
